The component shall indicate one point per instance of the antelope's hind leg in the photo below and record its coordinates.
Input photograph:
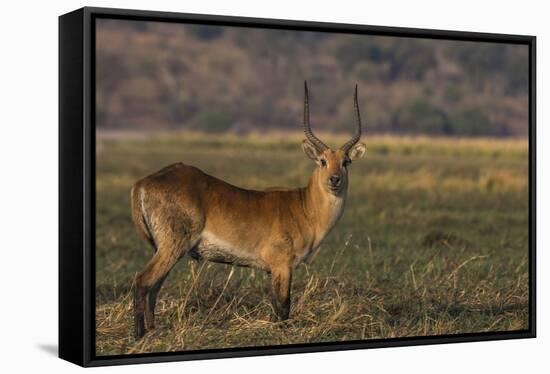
(148, 283)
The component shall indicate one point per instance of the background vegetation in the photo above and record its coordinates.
(155, 76)
(434, 240)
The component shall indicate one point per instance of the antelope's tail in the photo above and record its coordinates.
(139, 216)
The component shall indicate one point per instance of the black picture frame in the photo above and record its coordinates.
(77, 184)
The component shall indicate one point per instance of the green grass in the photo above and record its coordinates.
(434, 240)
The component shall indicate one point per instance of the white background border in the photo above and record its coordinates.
(28, 184)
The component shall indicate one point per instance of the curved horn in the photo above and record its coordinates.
(355, 138)
(307, 127)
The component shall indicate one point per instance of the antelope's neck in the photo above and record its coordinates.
(322, 208)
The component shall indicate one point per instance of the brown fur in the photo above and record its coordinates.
(181, 210)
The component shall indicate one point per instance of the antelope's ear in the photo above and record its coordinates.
(357, 151)
(310, 150)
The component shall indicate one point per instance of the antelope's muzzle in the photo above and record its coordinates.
(334, 181)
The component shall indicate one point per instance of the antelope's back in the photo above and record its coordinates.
(181, 195)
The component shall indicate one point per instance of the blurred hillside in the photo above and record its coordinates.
(162, 76)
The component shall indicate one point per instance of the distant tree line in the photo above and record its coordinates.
(171, 76)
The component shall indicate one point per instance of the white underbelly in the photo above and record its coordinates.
(212, 248)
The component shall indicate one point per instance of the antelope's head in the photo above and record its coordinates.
(331, 173)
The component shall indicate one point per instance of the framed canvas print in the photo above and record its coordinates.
(235, 186)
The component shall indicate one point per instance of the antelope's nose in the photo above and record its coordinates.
(334, 180)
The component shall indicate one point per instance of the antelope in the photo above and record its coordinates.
(182, 210)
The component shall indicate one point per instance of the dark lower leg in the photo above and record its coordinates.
(153, 293)
(139, 307)
(280, 293)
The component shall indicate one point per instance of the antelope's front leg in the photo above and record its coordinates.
(280, 291)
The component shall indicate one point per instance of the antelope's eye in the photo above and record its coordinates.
(323, 162)
(346, 162)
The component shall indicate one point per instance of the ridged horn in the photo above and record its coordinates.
(355, 138)
(307, 127)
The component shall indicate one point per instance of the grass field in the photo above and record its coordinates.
(433, 240)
